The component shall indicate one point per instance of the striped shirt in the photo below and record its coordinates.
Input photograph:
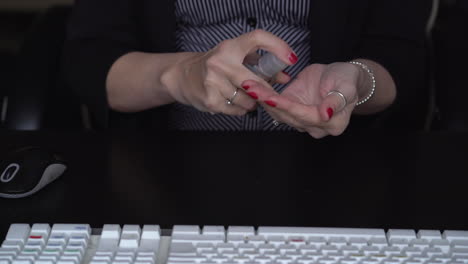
(202, 24)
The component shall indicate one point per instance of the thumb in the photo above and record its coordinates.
(332, 104)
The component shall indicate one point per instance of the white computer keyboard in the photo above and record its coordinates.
(147, 244)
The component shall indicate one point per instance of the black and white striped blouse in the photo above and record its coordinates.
(202, 24)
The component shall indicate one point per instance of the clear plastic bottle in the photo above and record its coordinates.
(267, 67)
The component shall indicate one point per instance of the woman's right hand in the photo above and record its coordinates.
(207, 80)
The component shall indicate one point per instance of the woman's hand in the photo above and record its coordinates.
(312, 102)
(207, 80)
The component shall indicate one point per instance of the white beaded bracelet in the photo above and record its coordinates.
(371, 75)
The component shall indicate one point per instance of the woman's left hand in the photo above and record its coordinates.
(312, 102)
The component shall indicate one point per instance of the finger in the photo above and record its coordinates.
(222, 91)
(285, 118)
(337, 125)
(232, 110)
(294, 114)
(258, 90)
(332, 104)
(260, 39)
(317, 133)
(223, 97)
(244, 100)
(282, 77)
(307, 115)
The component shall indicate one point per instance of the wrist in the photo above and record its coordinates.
(173, 73)
(365, 83)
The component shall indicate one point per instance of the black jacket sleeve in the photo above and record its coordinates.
(99, 32)
(394, 35)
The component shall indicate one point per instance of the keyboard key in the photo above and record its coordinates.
(7, 257)
(26, 257)
(378, 242)
(58, 238)
(264, 260)
(266, 248)
(34, 245)
(8, 251)
(420, 243)
(245, 247)
(407, 234)
(71, 229)
(111, 232)
(44, 261)
(411, 251)
(130, 236)
(129, 241)
(213, 230)
(317, 241)
(443, 244)
(151, 232)
(241, 230)
(321, 232)
(359, 241)
(18, 232)
(195, 239)
(21, 261)
(349, 250)
(277, 240)
(48, 257)
(186, 230)
(13, 244)
(348, 260)
(459, 252)
(40, 229)
(330, 249)
(459, 244)
(183, 249)
(67, 261)
(304, 249)
(451, 235)
(197, 258)
(337, 241)
(208, 253)
(429, 234)
(399, 242)
(259, 240)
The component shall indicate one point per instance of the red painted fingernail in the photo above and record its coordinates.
(293, 58)
(286, 74)
(270, 103)
(330, 112)
(246, 87)
(253, 95)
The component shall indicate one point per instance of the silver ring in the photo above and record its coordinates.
(275, 122)
(343, 98)
(230, 101)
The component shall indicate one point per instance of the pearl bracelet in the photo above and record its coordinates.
(371, 75)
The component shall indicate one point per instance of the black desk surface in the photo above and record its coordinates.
(414, 180)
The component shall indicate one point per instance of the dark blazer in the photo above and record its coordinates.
(390, 32)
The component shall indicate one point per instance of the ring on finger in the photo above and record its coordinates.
(343, 98)
(230, 101)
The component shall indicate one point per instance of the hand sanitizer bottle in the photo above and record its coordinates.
(267, 67)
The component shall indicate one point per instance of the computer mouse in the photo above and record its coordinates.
(27, 170)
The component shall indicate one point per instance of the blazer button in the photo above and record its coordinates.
(252, 21)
